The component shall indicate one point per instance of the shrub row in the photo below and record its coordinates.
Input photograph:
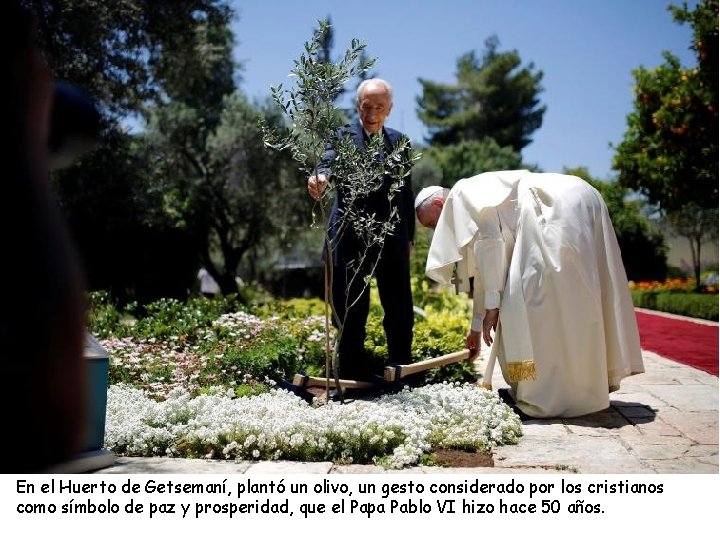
(697, 305)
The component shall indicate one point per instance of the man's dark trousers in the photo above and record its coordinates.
(351, 297)
(393, 281)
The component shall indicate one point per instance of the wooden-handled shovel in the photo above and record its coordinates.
(395, 373)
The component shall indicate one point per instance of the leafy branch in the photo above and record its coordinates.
(314, 124)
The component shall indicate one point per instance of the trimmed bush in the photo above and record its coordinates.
(645, 299)
(700, 306)
(696, 305)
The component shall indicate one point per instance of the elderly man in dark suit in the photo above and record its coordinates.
(374, 102)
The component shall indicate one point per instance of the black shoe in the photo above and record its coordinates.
(345, 394)
(351, 394)
(506, 397)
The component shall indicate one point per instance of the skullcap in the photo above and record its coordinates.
(426, 193)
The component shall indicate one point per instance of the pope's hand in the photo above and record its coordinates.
(316, 185)
(472, 342)
(490, 323)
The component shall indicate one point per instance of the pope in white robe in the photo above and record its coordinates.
(545, 264)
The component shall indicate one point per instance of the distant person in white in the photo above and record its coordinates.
(545, 264)
(208, 286)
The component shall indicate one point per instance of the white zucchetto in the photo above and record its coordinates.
(426, 193)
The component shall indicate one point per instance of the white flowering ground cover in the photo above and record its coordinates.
(192, 394)
(394, 430)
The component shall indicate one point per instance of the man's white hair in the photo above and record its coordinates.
(362, 85)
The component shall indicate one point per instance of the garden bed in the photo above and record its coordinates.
(394, 430)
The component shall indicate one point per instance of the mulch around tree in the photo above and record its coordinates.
(459, 458)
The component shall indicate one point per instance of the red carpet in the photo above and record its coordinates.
(681, 340)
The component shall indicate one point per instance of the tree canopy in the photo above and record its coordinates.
(132, 53)
(197, 186)
(641, 243)
(469, 158)
(669, 152)
(493, 97)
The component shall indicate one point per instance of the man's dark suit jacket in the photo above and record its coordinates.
(346, 247)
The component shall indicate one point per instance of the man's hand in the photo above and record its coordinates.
(490, 323)
(316, 185)
(472, 342)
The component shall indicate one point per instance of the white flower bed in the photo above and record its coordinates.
(394, 430)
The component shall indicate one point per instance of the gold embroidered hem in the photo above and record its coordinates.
(521, 371)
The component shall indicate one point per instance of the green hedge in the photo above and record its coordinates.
(697, 305)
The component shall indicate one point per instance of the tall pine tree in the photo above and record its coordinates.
(493, 97)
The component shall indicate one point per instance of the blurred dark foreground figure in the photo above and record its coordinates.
(42, 314)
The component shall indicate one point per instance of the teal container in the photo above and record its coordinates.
(98, 369)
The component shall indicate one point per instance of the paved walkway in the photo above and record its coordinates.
(662, 421)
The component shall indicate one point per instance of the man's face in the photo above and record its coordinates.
(428, 215)
(374, 106)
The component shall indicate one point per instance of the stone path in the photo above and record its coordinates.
(662, 421)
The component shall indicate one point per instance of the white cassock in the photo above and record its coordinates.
(542, 248)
